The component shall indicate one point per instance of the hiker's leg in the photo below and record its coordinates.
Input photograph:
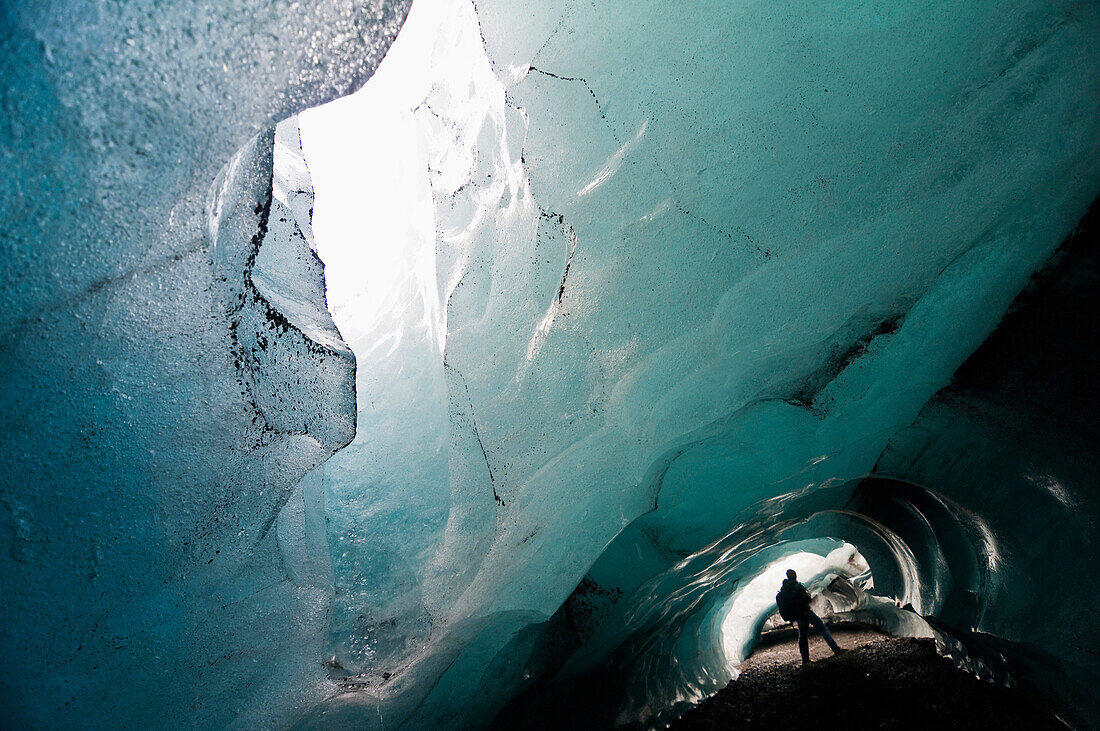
(820, 626)
(803, 640)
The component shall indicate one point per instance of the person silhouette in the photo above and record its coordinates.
(794, 606)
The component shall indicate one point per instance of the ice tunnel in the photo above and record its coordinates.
(494, 382)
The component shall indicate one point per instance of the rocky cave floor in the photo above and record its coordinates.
(881, 682)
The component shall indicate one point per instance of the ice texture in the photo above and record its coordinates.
(679, 291)
(165, 390)
(679, 283)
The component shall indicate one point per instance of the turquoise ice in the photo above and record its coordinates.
(675, 292)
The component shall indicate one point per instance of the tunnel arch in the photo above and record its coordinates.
(929, 562)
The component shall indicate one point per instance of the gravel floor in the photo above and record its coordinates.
(880, 683)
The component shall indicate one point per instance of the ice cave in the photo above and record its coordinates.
(450, 364)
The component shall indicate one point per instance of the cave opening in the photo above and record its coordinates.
(753, 604)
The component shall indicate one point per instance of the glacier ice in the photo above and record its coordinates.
(159, 408)
(674, 293)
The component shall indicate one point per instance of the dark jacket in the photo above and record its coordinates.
(793, 600)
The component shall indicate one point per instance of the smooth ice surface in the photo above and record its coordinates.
(675, 280)
(671, 293)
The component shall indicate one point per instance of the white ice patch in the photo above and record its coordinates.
(614, 162)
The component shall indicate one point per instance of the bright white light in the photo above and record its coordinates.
(614, 162)
(368, 156)
(757, 598)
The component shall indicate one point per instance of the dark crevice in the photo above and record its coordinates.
(846, 346)
(1044, 324)
(571, 235)
(477, 433)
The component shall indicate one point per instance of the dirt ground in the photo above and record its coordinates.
(880, 683)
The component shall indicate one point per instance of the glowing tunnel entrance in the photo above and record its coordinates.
(751, 604)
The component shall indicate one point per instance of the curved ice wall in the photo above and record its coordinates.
(696, 277)
(728, 269)
(170, 371)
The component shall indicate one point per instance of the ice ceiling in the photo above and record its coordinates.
(675, 293)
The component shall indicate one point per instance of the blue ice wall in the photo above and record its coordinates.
(700, 272)
(161, 398)
(731, 268)
(976, 519)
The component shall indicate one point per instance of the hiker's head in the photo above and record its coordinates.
(792, 575)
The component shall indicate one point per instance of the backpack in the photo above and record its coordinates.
(792, 605)
(787, 610)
